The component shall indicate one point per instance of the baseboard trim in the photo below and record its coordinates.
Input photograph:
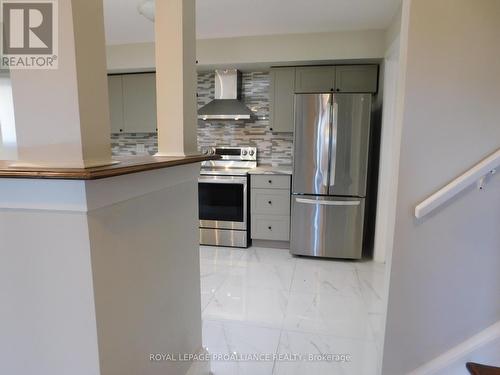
(460, 353)
(271, 244)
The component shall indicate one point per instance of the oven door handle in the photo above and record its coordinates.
(223, 180)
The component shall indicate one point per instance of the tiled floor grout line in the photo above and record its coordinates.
(285, 313)
(277, 351)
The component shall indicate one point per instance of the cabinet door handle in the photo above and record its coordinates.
(270, 181)
(270, 203)
(270, 227)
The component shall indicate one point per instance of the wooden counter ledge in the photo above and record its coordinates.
(126, 165)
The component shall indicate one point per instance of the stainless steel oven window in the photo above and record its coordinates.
(226, 181)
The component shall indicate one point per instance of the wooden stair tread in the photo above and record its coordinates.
(477, 369)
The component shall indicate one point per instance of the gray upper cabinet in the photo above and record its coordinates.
(139, 103)
(356, 78)
(281, 97)
(314, 79)
(115, 91)
(132, 103)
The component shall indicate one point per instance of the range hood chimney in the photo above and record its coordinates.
(226, 105)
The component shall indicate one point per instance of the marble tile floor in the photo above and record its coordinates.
(265, 301)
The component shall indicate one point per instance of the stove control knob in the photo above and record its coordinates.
(251, 152)
(205, 152)
(244, 152)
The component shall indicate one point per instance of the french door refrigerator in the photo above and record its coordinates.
(331, 147)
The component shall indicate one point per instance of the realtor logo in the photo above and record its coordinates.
(29, 39)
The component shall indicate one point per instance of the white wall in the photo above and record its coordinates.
(394, 30)
(145, 264)
(292, 48)
(483, 354)
(389, 144)
(137, 57)
(483, 347)
(444, 279)
(47, 317)
(263, 50)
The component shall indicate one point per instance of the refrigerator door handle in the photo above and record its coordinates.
(333, 147)
(328, 203)
(326, 130)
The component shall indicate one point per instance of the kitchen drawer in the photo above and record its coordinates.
(270, 181)
(273, 228)
(271, 201)
(330, 227)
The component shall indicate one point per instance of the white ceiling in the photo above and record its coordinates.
(230, 18)
(124, 24)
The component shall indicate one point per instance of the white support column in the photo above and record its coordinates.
(62, 115)
(176, 77)
(8, 149)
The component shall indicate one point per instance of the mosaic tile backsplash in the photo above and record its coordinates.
(273, 148)
(134, 143)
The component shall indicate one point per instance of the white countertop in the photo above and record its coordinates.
(269, 169)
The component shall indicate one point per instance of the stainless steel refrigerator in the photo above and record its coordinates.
(331, 145)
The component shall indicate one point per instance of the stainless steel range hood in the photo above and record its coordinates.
(227, 104)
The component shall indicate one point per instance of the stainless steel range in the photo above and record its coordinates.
(224, 196)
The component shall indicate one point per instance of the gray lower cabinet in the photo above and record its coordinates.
(270, 207)
(132, 102)
(356, 78)
(281, 99)
(314, 79)
(272, 228)
(268, 181)
(271, 201)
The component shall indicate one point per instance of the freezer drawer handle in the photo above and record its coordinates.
(329, 203)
